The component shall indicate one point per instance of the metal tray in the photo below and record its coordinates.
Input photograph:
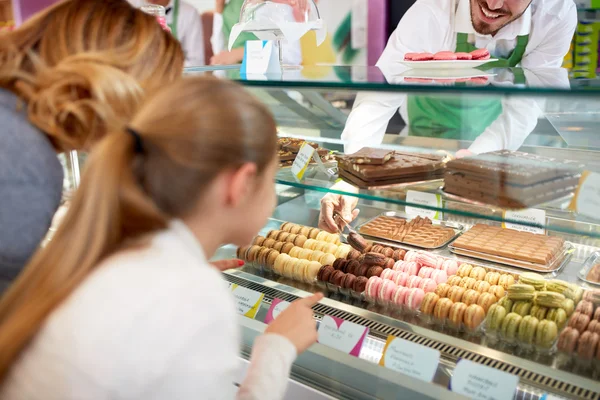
(554, 266)
(592, 260)
(458, 229)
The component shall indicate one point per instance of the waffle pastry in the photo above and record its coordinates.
(508, 243)
(418, 231)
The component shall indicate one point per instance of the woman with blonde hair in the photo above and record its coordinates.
(123, 303)
(67, 76)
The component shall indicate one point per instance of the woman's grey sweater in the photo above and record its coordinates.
(31, 181)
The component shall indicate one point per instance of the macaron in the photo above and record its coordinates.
(411, 255)
(533, 279)
(585, 307)
(272, 256)
(486, 300)
(456, 293)
(295, 251)
(336, 278)
(445, 56)
(389, 274)
(278, 246)
(464, 270)
(295, 229)
(327, 259)
(348, 281)
(480, 54)
(478, 273)
(337, 264)
(429, 302)
(568, 306)
(306, 254)
(597, 314)
(521, 292)
(374, 271)
(546, 334)
(352, 266)
(482, 286)
(594, 326)
(567, 341)
(321, 236)
(549, 299)
(386, 290)
(413, 282)
(593, 296)
(331, 249)
(362, 270)
(558, 286)
(287, 247)
(442, 289)
(305, 231)
(454, 280)
(353, 254)
(360, 284)
(496, 315)
(285, 226)
(474, 316)
(411, 268)
(320, 246)
(492, 277)
(538, 311)
(422, 57)
(341, 252)
(300, 240)
(252, 253)
(399, 266)
(300, 270)
(586, 345)
(579, 321)
(400, 294)
(415, 298)
(506, 281)
(527, 329)
(401, 278)
(280, 263)
(389, 263)
(450, 267)
(522, 307)
(463, 56)
(558, 316)
(468, 283)
(288, 267)
(457, 313)
(470, 297)
(425, 272)
(273, 234)
(314, 232)
(398, 254)
(312, 271)
(428, 285)
(510, 325)
(259, 240)
(507, 303)
(442, 308)
(409, 56)
(439, 276)
(373, 286)
(497, 291)
(241, 252)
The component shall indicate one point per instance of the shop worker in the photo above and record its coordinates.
(185, 24)
(532, 34)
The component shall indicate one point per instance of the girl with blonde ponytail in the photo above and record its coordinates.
(122, 303)
(67, 76)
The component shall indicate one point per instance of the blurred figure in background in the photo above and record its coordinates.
(67, 76)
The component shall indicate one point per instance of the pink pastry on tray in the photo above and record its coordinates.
(399, 295)
(426, 272)
(415, 298)
(386, 290)
(439, 276)
(373, 286)
(401, 279)
(389, 274)
(428, 285)
(445, 56)
(413, 282)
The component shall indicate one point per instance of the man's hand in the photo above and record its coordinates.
(234, 56)
(219, 6)
(224, 265)
(345, 205)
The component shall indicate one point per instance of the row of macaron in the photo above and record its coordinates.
(310, 232)
(339, 250)
(313, 250)
(581, 338)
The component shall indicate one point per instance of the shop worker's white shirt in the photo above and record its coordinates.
(189, 31)
(432, 26)
(157, 322)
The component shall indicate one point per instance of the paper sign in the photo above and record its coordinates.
(483, 383)
(427, 199)
(277, 306)
(341, 335)
(260, 57)
(587, 196)
(247, 301)
(547, 396)
(531, 215)
(410, 359)
(302, 160)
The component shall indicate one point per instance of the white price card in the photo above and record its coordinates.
(410, 359)
(248, 301)
(277, 307)
(531, 216)
(426, 199)
(587, 197)
(341, 335)
(482, 383)
(302, 160)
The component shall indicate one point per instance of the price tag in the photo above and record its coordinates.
(548, 396)
(302, 160)
(483, 383)
(531, 215)
(260, 57)
(341, 335)
(410, 359)
(587, 197)
(277, 306)
(426, 199)
(248, 301)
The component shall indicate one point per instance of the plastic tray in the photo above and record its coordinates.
(458, 229)
(592, 260)
(554, 266)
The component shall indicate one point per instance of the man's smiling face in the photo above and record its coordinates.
(489, 16)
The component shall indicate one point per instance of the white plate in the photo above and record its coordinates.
(439, 64)
(445, 74)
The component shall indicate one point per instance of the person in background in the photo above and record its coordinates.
(123, 303)
(227, 14)
(67, 76)
(185, 24)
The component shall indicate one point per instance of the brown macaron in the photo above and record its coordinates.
(586, 345)
(259, 240)
(253, 253)
(337, 264)
(287, 247)
(389, 263)
(399, 254)
(353, 254)
(388, 252)
(336, 278)
(325, 272)
(348, 281)
(594, 326)
(360, 284)
(374, 271)
(241, 252)
(585, 307)
(375, 259)
(579, 321)
(567, 341)
(362, 270)
(278, 246)
(352, 267)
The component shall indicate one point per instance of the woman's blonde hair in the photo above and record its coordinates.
(189, 133)
(81, 66)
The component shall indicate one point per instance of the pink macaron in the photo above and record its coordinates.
(450, 266)
(445, 56)
(429, 260)
(411, 268)
(398, 266)
(386, 290)
(410, 56)
(401, 279)
(373, 286)
(415, 298)
(388, 274)
(422, 57)
(428, 285)
(464, 56)
(411, 255)
(439, 276)
(399, 295)
(480, 54)
(426, 272)
(413, 282)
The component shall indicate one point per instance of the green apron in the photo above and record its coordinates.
(173, 24)
(231, 16)
(461, 117)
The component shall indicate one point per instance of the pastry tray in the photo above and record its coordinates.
(458, 230)
(592, 260)
(554, 266)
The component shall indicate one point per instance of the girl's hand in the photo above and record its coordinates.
(224, 265)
